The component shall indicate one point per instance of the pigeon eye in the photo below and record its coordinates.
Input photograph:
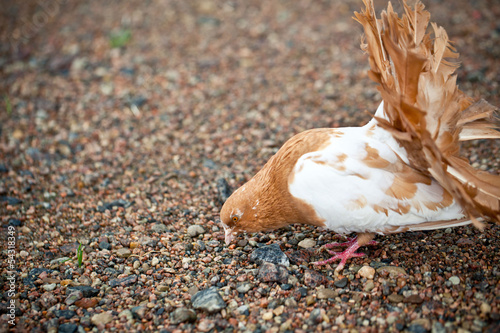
(235, 218)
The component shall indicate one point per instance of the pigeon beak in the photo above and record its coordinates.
(229, 235)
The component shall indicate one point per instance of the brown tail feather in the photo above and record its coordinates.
(426, 112)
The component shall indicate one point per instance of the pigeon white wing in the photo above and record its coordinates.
(360, 182)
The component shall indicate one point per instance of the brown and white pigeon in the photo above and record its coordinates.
(400, 172)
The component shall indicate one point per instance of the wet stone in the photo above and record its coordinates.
(208, 300)
(269, 272)
(182, 315)
(270, 253)
(125, 281)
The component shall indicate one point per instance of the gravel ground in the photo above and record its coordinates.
(120, 122)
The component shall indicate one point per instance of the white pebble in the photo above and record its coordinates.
(307, 243)
(49, 287)
(455, 280)
(195, 230)
(367, 272)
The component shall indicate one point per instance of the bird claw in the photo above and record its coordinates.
(352, 245)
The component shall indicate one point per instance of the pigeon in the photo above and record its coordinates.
(400, 172)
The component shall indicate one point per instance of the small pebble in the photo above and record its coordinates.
(369, 286)
(123, 252)
(324, 293)
(182, 315)
(195, 230)
(367, 272)
(455, 280)
(307, 243)
(102, 318)
(49, 287)
(269, 272)
(244, 287)
(268, 315)
(342, 283)
(485, 308)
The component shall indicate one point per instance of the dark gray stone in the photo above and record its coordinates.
(208, 300)
(315, 317)
(224, 189)
(68, 314)
(128, 280)
(341, 283)
(104, 245)
(139, 311)
(270, 253)
(87, 291)
(67, 328)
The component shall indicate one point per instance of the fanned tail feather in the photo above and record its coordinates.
(424, 109)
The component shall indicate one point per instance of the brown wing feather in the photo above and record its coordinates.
(426, 112)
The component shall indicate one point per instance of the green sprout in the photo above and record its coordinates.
(120, 38)
(79, 254)
(8, 105)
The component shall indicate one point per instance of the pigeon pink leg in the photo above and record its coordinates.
(353, 244)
